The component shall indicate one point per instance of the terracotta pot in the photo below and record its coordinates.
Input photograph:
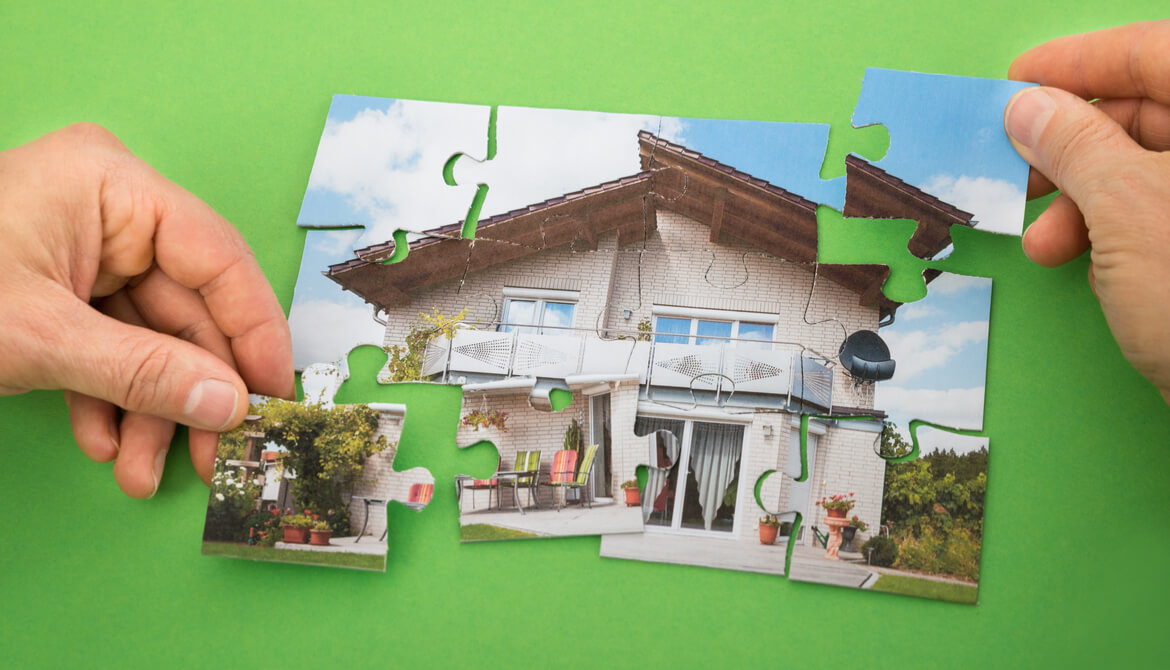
(768, 533)
(837, 513)
(295, 535)
(320, 538)
(632, 497)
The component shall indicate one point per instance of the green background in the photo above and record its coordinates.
(228, 99)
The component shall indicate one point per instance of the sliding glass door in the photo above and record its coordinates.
(698, 481)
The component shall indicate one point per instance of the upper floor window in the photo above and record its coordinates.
(539, 311)
(678, 325)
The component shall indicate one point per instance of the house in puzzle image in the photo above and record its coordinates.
(683, 310)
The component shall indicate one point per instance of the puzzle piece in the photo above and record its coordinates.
(921, 537)
(380, 161)
(325, 464)
(558, 471)
(947, 140)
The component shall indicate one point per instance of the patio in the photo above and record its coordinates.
(809, 565)
(571, 520)
(367, 544)
(727, 554)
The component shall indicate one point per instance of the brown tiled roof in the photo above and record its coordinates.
(729, 201)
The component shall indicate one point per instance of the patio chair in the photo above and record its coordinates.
(580, 478)
(481, 484)
(528, 461)
(820, 538)
(420, 494)
(564, 470)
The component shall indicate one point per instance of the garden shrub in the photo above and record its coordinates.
(960, 557)
(885, 551)
(921, 553)
(233, 498)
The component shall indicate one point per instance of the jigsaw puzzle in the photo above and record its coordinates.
(308, 482)
(660, 275)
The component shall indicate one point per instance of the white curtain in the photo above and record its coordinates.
(664, 442)
(715, 450)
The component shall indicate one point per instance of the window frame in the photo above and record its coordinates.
(540, 298)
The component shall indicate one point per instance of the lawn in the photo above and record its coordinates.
(926, 588)
(358, 561)
(486, 531)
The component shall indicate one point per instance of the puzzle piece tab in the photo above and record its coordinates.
(312, 472)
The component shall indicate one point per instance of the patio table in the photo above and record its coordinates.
(503, 477)
(368, 501)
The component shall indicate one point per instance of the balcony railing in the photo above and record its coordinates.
(723, 368)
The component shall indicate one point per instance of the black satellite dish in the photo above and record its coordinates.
(866, 357)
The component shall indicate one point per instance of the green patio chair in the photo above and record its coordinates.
(528, 461)
(820, 538)
(578, 479)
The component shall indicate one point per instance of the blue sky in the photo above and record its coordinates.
(940, 346)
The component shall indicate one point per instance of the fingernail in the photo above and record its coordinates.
(211, 404)
(160, 462)
(114, 433)
(1027, 114)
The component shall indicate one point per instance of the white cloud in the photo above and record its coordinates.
(998, 205)
(389, 165)
(950, 284)
(336, 243)
(919, 350)
(917, 310)
(932, 439)
(953, 408)
(324, 332)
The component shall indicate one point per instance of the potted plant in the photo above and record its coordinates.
(849, 532)
(320, 533)
(838, 505)
(477, 419)
(632, 496)
(296, 528)
(769, 528)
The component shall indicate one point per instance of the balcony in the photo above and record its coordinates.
(710, 371)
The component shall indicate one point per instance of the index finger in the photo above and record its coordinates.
(1130, 61)
(199, 249)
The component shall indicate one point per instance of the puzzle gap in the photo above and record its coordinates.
(870, 141)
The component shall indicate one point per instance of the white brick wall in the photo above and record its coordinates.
(680, 267)
(845, 461)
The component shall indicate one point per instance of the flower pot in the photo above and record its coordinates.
(836, 513)
(320, 538)
(293, 535)
(632, 497)
(768, 533)
(847, 535)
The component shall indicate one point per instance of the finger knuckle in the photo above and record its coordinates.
(149, 368)
(1071, 147)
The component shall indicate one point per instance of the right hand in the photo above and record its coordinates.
(1110, 163)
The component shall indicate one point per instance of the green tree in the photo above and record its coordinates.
(405, 361)
(327, 450)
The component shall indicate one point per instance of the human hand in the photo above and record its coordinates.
(127, 291)
(1109, 159)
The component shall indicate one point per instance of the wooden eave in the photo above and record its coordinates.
(578, 219)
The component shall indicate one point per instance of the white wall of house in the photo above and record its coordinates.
(846, 462)
(682, 268)
(482, 292)
(378, 478)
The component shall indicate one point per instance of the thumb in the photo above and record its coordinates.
(1077, 146)
(144, 371)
